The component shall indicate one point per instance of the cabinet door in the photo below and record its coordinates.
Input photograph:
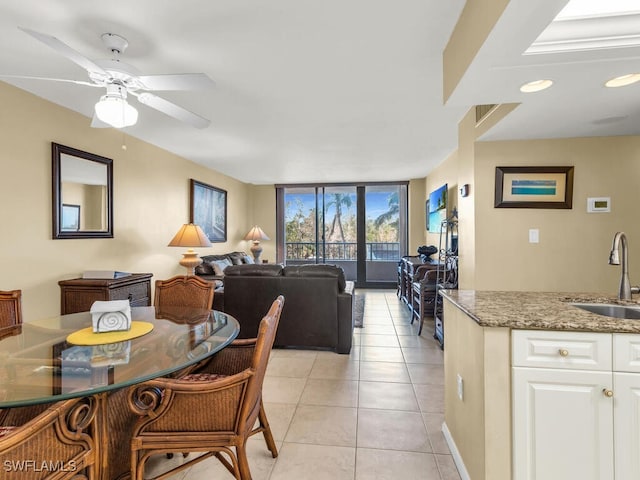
(626, 387)
(562, 424)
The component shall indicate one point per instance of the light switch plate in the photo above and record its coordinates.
(534, 235)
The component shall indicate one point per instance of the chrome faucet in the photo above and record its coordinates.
(620, 240)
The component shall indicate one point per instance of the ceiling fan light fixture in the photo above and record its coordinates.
(623, 80)
(536, 86)
(116, 111)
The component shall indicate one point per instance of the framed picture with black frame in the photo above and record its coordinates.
(208, 209)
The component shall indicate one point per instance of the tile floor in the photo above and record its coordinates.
(373, 414)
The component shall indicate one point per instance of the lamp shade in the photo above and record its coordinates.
(190, 235)
(256, 234)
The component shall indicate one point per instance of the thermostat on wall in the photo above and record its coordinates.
(598, 205)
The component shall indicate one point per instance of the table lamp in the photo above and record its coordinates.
(255, 235)
(190, 235)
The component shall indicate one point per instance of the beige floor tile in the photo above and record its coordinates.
(433, 422)
(447, 467)
(260, 463)
(285, 367)
(282, 389)
(380, 354)
(293, 353)
(407, 330)
(384, 372)
(418, 341)
(338, 393)
(387, 396)
(431, 354)
(379, 340)
(430, 398)
(335, 367)
(392, 465)
(426, 373)
(279, 416)
(377, 330)
(314, 462)
(376, 320)
(392, 430)
(158, 464)
(323, 426)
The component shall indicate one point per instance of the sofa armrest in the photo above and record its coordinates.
(345, 320)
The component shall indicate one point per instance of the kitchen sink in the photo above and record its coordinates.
(609, 310)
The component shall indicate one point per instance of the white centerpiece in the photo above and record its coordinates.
(111, 316)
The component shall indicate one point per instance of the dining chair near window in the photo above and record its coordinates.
(214, 410)
(10, 308)
(184, 291)
(49, 441)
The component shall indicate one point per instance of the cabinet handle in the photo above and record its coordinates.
(130, 297)
(563, 352)
(607, 392)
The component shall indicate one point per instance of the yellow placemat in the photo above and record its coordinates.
(87, 337)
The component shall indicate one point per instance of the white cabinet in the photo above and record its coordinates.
(626, 416)
(576, 405)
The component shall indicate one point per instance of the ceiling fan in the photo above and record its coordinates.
(120, 80)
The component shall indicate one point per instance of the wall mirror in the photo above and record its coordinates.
(82, 194)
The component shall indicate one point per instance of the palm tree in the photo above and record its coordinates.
(392, 213)
(339, 199)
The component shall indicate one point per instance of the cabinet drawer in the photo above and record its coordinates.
(133, 293)
(572, 350)
(626, 357)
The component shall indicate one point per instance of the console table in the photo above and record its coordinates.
(78, 294)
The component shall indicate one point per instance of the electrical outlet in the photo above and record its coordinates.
(534, 235)
(460, 387)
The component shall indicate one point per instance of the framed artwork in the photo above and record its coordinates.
(70, 218)
(534, 187)
(209, 210)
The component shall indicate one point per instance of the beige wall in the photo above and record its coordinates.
(572, 255)
(574, 245)
(417, 214)
(151, 201)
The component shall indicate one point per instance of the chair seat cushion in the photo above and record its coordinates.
(202, 377)
(5, 431)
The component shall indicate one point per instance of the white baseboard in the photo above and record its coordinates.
(457, 459)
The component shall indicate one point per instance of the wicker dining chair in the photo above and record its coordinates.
(10, 308)
(184, 291)
(52, 442)
(213, 411)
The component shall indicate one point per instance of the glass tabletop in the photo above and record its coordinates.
(38, 365)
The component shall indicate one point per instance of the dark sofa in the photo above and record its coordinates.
(318, 306)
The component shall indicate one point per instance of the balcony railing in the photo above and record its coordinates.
(376, 251)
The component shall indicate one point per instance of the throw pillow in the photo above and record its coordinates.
(219, 266)
(248, 259)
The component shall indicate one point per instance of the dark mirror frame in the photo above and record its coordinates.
(58, 233)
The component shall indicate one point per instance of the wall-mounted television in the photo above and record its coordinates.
(437, 208)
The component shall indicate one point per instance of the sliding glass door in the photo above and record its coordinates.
(361, 228)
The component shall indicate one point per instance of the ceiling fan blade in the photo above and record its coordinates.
(172, 110)
(180, 81)
(31, 77)
(65, 50)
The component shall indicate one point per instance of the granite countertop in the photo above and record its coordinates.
(540, 310)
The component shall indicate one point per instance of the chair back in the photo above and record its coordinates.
(10, 308)
(264, 343)
(184, 291)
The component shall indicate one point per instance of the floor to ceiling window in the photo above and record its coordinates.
(361, 228)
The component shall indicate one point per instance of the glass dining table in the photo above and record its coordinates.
(38, 365)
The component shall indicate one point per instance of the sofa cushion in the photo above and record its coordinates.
(254, 270)
(205, 268)
(237, 258)
(317, 270)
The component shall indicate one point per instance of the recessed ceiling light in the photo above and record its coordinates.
(536, 86)
(623, 80)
